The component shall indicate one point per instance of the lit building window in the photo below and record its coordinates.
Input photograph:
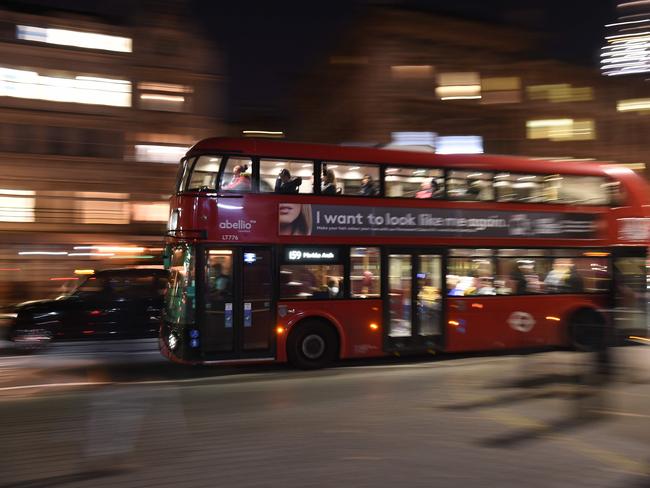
(625, 53)
(459, 145)
(149, 211)
(560, 92)
(633, 105)
(92, 90)
(167, 97)
(413, 138)
(102, 208)
(412, 71)
(412, 141)
(157, 138)
(561, 129)
(64, 37)
(16, 205)
(459, 86)
(505, 89)
(155, 153)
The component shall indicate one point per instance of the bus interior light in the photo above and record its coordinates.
(223, 252)
(595, 254)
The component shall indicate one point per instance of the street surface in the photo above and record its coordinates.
(98, 416)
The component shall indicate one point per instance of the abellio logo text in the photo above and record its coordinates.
(241, 225)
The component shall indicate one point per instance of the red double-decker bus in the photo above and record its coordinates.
(307, 253)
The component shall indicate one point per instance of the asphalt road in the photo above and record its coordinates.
(74, 418)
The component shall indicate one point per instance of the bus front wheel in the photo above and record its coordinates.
(312, 345)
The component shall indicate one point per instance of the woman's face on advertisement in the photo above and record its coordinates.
(288, 212)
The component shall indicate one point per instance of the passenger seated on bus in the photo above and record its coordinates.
(555, 277)
(485, 286)
(240, 180)
(573, 281)
(333, 288)
(368, 188)
(286, 184)
(564, 277)
(429, 189)
(425, 190)
(519, 281)
(329, 183)
(473, 189)
(454, 286)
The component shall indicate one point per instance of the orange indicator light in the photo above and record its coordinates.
(550, 317)
(279, 330)
(374, 326)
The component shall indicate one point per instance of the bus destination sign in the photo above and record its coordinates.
(311, 254)
(341, 220)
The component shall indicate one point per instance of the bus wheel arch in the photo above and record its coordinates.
(313, 343)
(586, 329)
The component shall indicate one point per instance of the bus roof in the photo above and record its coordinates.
(327, 152)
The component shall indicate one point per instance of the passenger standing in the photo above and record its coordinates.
(329, 183)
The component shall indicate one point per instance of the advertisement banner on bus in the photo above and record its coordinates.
(343, 220)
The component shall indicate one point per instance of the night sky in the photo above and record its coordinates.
(268, 44)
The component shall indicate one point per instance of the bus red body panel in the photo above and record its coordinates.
(391, 271)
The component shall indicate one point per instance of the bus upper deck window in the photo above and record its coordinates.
(204, 174)
(350, 179)
(237, 175)
(299, 176)
(470, 185)
(577, 190)
(511, 187)
(411, 182)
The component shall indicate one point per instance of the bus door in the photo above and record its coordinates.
(414, 302)
(237, 313)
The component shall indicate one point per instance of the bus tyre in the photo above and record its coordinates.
(312, 345)
(587, 330)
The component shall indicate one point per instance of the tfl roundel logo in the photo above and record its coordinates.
(521, 321)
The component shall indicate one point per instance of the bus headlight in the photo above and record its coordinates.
(172, 341)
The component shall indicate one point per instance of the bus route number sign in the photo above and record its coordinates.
(311, 254)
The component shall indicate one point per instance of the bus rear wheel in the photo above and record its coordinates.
(312, 345)
(587, 330)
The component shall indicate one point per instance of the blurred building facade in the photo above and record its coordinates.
(468, 87)
(94, 116)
